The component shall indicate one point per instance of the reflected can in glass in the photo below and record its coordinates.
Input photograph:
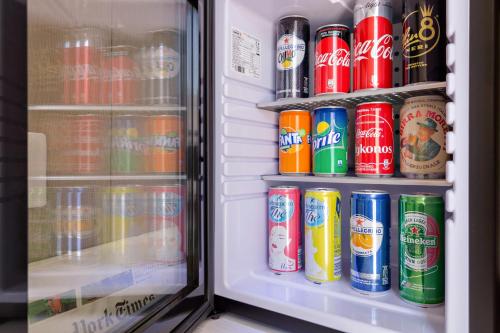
(322, 235)
(284, 229)
(165, 144)
(129, 147)
(421, 249)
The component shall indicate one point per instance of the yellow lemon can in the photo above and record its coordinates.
(322, 233)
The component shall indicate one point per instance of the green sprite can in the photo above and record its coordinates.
(421, 249)
(330, 141)
(129, 147)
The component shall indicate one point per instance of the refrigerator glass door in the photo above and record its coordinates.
(113, 205)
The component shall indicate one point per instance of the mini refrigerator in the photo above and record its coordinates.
(140, 139)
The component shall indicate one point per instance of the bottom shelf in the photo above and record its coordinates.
(335, 304)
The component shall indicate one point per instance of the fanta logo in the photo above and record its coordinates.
(169, 142)
(366, 235)
(314, 215)
(290, 52)
(289, 139)
(281, 208)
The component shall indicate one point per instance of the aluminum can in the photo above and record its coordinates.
(423, 128)
(120, 84)
(41, 234)
(421, 249)
(284, 227)
(129, 146)
(74, 219)
(424, 41)
(166, 146)
(373, 44)
(292, 60)
(160, 67)
(370, 241)
(332, 67)
(322, 241)
(82, 64)
(330, 141)
(295, 142)
(166, 218)
(86, 147)
(374, 140)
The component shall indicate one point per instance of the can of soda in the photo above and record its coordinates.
(292, 60)
(295, 142)
(129, 147)
(421, 249)
(330, 141)
(322, 221)
(160, 66)
(166, 211)
(166, 147)
(120, 75)
(86, 147)
(370, 241)
(75, 219)
(424, 41)
(372, 44)
(332, 67)
(284, 227)
(374, 140)
(422, 129)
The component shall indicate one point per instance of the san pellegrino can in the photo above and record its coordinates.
(295, 142)
(421, 248)
(424, 41)
(370, 241)
(284, 227)
(322, 221)
(292, 60)
(330, 141)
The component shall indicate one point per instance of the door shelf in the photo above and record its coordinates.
(109, 177)
(106, 108)
(392, 95)
(393, 181)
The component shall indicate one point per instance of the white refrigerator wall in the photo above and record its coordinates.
(245, 141)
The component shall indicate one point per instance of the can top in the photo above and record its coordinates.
(375, 102)
(283, 187)
(369, 193)
(425, 97)
(322, 189)
(422, 194)
(332, 25)
(368, 8)
(293, 15)
(294, 110)
(330, 107)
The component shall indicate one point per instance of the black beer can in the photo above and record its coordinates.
(292, 61)
(424, 41)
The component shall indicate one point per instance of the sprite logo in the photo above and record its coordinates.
(326, 136)
(288, 139)
(420, 239)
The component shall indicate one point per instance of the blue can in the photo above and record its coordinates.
(370, 241)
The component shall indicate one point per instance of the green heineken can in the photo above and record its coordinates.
(421, 249)
(330, 141)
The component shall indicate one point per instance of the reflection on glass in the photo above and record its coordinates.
(108, 234)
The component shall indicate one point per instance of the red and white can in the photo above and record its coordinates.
(374, 140)
(285, 241)
(372, 44)
(120, 82)
(332, 68)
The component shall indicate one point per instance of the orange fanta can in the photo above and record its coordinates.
(166, 144)
(295, 142)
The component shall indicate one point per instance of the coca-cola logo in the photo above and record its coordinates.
(369, 133)
(374, 49)
(340, 57)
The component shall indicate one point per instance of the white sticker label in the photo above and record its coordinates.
(245, 54)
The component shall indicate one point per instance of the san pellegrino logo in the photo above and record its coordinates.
(423, 41)
(366, 235)
(169, 205)
(288, 139)
(315, 212)
(420, 235)
(290, 52)
(281, 208)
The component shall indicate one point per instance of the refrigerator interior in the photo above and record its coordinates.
(245, 145)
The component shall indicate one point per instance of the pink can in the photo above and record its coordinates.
(285, 241)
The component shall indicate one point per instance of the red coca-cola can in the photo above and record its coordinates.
(374, 140)
(372, 44)
(332, 68)
(82, 62)
(120, 82)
